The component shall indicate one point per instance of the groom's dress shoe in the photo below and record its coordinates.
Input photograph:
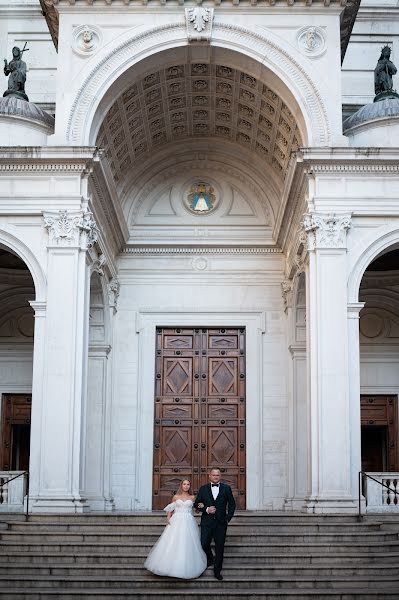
(219, 576)
(209, 563)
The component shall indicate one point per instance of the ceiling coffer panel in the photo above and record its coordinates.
(197, 100)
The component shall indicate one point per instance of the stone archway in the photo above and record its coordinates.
(379, 359)
(106, 79)
(17, 291)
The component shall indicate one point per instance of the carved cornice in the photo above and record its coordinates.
(47, 159)
(188, 250)
(348, 17)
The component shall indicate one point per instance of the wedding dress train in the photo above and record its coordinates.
(178, 552)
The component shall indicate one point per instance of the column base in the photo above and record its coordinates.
(58, 505)
(325, 506)
(294, 504)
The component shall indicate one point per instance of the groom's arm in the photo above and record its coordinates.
(200, 500)
(231, 504)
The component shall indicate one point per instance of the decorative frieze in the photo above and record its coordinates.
(325, 231)
(140, 250)
(71, 228)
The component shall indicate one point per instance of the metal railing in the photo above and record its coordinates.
(4, 482)
(361, 475)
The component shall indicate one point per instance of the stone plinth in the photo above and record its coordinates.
(374, 124)
(23, 123)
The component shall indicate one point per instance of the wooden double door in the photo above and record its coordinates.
(199, 409)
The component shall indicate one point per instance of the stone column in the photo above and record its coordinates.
(354, 309)
(61, 370)
(327, 325)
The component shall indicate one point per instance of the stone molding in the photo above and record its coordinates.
(188, 250)
(325, 231)
(172, 34)
(71, 228)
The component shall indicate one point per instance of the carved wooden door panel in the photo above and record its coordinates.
(199, 409)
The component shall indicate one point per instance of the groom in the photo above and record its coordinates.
(212, 500)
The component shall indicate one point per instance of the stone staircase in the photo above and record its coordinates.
(268, 555)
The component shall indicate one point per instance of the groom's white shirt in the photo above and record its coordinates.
(215, 491)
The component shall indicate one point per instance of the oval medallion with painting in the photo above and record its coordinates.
(201, 198)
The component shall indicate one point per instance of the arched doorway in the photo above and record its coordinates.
(175, 125)
(379, 363)
(17, 290)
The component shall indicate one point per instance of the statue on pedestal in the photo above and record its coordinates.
(16, 69)
(383, 82)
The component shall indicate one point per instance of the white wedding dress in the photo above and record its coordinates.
(178, 552)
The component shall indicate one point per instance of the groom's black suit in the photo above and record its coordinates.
(215, 526)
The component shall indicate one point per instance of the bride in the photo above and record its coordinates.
(178, 552)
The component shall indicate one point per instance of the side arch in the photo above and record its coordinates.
(10, 242)
(387, 240)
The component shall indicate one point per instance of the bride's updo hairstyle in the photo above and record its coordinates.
(180, 490)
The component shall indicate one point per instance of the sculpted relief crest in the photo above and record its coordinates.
(312, 41)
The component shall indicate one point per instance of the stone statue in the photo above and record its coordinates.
(385, 69)
(16, 69)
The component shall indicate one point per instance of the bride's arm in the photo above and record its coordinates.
(171, 510)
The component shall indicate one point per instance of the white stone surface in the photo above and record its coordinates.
(114, 250)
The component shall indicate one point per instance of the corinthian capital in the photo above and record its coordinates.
(325, 230)
(71, 228)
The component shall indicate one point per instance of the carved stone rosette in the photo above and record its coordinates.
(325, 231)
(199, 21)
(71, 228)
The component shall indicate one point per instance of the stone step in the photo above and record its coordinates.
(234, 536)
(240, 516)
(222, 591)
(138, 556)
(204, 582)
(130, 569)
(234, 525)
(233, 547)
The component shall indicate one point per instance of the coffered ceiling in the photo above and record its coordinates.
(197, 100)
